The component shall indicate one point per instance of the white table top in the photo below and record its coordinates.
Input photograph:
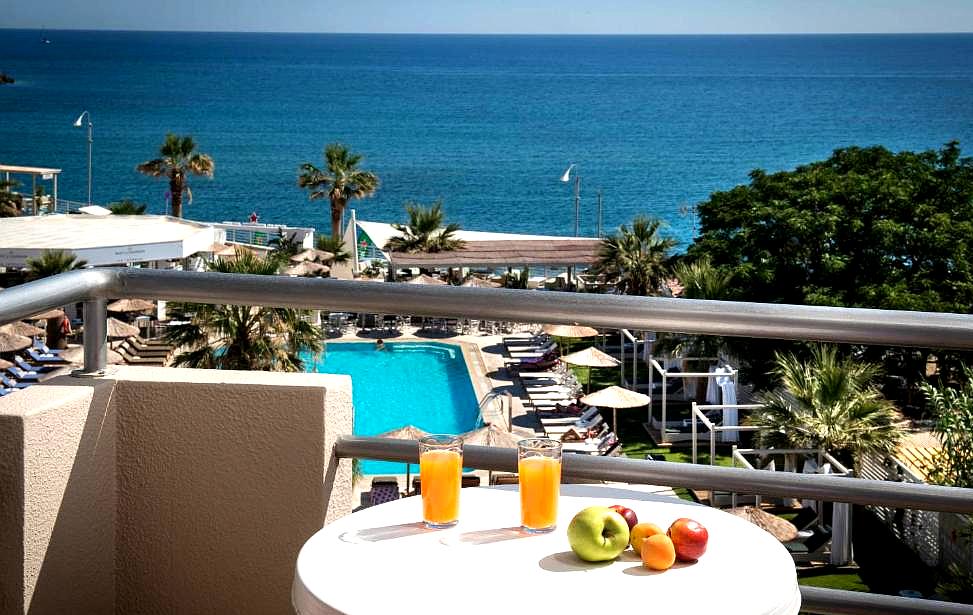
(382, 560)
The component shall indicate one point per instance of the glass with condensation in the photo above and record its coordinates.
(440, 472)
(539, 467)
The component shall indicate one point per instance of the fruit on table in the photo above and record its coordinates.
(689, 538)
(627, 513)
(598, 534)
(658, 552)
(641, 531)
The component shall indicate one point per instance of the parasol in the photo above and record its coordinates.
(590, 357)
(574, 330)
(311, 254)
(479, 283)
(11, 342)
(781, 529)
(5, 364)
(426, 279)
(75, 354)
(131, 305)
(118, 329)
(22, 328)
(55, 313)
(491, 435)
(408, 432)
(615, 397)
(306, 268)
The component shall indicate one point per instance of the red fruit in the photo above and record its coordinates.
(628, 514)
(689, 537)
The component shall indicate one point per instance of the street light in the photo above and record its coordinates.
(77, 124)
(577, 197)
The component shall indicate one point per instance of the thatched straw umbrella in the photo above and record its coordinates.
(615, 397)
(479, 283)
(119, 330)
(55, 313)
(591, 358)
(576, 331)
(307, 268)
(131, 305)
(426, 279)
(5, 364)
(491, 435)
(11, 342)
(311, 254)
(781, 529)
(75, 354)
(22, 328)
(409, 432)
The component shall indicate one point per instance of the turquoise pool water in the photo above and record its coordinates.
(425, 384)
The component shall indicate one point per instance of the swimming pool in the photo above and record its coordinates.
(425, 384)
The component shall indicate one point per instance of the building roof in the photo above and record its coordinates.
(486, 249)
(103, 240)
(10, 168)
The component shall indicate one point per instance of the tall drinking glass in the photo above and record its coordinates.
(539, 466)
(440, 471)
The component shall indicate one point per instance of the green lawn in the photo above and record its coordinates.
(840, 579)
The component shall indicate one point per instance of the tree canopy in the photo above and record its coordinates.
(633, 259)
(177, 160)
(340, 181)
(425, 231)
(865, 228)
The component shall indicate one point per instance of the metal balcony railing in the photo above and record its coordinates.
(95, 287)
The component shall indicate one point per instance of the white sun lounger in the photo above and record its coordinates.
(587, 415)
(582, 426)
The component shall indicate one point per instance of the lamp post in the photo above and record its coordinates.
(577, 197)
(77, 124)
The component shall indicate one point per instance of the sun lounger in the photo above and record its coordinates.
(22, 375)
(43, 349)
(541, 376)
(39, 357)
(549, 388)
(535, 353)
(10, 384)
(595, 446)
(549, 404)
(586, 416)
(584, 426)
(30, 368)
(383, 491)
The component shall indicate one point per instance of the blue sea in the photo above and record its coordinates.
(486, 123)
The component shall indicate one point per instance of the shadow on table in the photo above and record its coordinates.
(386, 532)
(481, 537)
(567, 561)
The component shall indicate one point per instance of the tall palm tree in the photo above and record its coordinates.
(53, 262)
(335, 245)
(244, 337)
(127, 207)
(177, 160)
(827, 402)
(342, 180)
(424, 232)
(634, 259)
(10, 202)
(699, 280)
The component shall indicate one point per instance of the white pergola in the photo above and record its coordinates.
(45, 174)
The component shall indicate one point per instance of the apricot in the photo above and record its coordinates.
(658, 552)
(640, 532)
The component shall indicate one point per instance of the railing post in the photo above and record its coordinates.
(95, 338)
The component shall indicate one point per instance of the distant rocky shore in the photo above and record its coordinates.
(5, 78)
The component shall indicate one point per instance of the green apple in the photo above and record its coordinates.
(598, 534)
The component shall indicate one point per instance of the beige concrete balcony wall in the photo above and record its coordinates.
(165, 490)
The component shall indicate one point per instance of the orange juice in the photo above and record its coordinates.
(440, 471)
(540, 480)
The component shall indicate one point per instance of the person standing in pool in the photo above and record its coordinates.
(379, 344)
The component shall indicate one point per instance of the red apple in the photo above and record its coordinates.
(628, 514)
(689, 538)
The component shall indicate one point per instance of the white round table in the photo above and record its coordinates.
(382, 560)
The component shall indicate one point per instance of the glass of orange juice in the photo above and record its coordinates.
(440, 470)
(539, 466)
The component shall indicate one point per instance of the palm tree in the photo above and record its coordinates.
(827, 402)
(699, 280)
(127, 207)
(634, 259)
(284, 247)
(342, 181)
(53, 262)
(178, 159)
(244, 337)
(425, 231)
(335, 245)
(10, 201)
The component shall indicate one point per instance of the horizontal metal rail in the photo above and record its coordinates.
(624, 470)
(728, 318)
(841, 602)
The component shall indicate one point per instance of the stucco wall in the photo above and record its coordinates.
(167, 490)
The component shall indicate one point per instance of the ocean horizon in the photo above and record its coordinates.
(487, 123)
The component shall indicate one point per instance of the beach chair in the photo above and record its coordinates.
(584, 419)
(42, 358)
(10, 384)
(804, 551)
(30, 368)
(382, 491)
(22, 375)
(43, 349)
(534, 353)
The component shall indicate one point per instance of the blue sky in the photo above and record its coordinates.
(498, 16)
